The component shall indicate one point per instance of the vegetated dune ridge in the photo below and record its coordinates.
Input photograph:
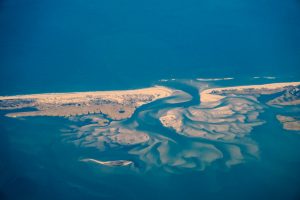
(70, 95)
(215, 94)
(114, 104)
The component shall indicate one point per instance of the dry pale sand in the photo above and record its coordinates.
(207, 96)
(157, 91)
(172, 120)
(116, 105)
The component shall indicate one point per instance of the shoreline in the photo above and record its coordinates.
(116, 105)
(207, 96)
(71, 94)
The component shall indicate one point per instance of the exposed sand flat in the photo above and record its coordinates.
(115, 104)
(210, 95)
(172, 120)
(289, 123)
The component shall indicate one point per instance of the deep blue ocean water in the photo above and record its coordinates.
(82, 45)
(77, 45)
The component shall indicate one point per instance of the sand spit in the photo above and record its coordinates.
(225, 126)
(116, 105)
(216, 94)
(114, 135)
(172, 120)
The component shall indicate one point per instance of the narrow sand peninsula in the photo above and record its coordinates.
(114, 104)
(116, 94)
(215, 94)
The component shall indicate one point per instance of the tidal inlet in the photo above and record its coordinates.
(175, 127)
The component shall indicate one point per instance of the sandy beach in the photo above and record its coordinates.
(115, 104)
(156, 91)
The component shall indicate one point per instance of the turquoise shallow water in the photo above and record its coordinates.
(39, 161)
(104, 45)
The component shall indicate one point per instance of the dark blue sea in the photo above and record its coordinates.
(87, 45)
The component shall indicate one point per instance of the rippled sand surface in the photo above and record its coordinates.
(175, 130)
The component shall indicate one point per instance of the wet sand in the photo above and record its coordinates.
(289, 123)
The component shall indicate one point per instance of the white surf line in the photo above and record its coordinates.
(215, 79)
(265, 77)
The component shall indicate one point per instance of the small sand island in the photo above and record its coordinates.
(115, 105)
(289, 123)
(114, 163)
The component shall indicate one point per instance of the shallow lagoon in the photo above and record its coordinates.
(41, 160)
